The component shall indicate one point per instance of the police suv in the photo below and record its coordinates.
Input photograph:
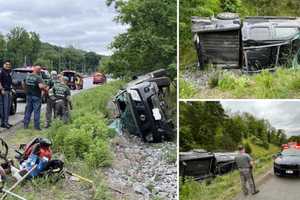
(287, 162)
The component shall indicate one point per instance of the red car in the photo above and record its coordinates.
(99, 78)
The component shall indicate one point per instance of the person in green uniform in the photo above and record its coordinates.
(63, 103)
(34, 86)
(51, 98)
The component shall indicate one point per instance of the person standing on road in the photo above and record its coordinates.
(6, 98)
(34, 85)
(51, 99)
(63, 103)
(245, 164)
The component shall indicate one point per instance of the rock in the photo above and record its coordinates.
(141, 189)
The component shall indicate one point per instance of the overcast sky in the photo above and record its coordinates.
(281, 114)
(85, 24)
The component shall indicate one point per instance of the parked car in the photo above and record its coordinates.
(99, 78)
(73, 76)
(19, 75)
(141, 108)
(287, 162)
(254, 44)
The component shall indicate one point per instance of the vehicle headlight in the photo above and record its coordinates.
(135, 95)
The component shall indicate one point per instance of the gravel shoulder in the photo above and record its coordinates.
(143, 171)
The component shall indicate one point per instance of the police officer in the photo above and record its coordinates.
(34, 85)
(62, 94)
(5, 91)
(51, 99)
(245, 164)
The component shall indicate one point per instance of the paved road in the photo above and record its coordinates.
(278, 188)
(18, 117)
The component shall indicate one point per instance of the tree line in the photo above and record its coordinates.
(150, 40)
(206, 125)
(25, 48)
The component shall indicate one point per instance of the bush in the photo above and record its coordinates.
(98, 155)
(186, 89)
(87, 136)
(247, 148)
(213, 80)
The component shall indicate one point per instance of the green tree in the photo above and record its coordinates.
(150, 40)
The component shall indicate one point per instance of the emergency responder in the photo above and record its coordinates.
(34, 86)
(245, 165)
(5, 92)
(51, 99)
(63, 103)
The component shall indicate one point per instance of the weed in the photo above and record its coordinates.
(186, 90)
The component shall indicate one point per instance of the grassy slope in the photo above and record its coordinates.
(88, 104)
(284, 83)
(228, 186)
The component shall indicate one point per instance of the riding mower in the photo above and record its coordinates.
(29, 164)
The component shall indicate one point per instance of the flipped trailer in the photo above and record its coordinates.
(252, 45)
(202, 165)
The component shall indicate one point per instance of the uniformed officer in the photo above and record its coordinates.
(51, 99)
(62, 95)
(5, 93)
(245, 164)
(34, 85)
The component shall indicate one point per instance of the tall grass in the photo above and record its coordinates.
(84, 145)
(186, 90)
(284, 83)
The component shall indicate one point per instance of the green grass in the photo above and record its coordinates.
(84, 144)
(228, 186)
(186, 90)
(283, 84)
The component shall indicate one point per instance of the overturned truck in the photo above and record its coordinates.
(142, 109)
(252, 44)
(201, 164)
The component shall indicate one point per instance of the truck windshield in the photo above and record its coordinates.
(20, 75)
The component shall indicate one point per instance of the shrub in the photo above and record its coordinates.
(98, 155)
(214, 80)
(76, 143)
(247, 148)
(186, 89)
(87, 136)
